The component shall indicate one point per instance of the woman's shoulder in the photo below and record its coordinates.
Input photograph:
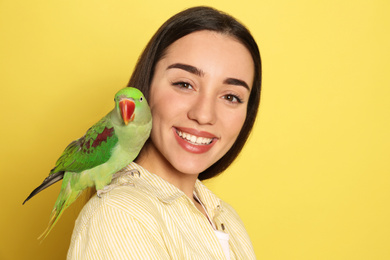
(130, 192)
(125, 201)
(232, 217)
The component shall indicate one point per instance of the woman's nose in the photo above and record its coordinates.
(203, 110)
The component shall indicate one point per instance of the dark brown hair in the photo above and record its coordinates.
(192, 20)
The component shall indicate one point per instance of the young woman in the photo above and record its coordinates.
(201, 74)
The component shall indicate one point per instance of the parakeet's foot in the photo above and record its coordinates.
(122, 173)
(113, 186)
(105, 190)
(109, 188)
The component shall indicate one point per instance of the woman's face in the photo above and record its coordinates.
(199, 96)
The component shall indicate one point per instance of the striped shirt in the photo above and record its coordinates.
(146, 217)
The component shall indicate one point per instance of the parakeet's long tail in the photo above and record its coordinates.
(50, 180)
(66, 197)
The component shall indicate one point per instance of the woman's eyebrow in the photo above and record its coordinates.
(186, 67)
(200, 73)
(236, 82)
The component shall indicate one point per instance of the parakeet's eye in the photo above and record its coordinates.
(141, 99)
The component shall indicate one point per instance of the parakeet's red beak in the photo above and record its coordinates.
(127, 107)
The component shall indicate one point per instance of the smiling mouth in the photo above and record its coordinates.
(193, 139)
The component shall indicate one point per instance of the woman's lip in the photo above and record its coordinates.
(195, 132)
(190, 147)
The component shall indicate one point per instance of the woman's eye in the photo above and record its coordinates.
(182, 85)
(232, 98)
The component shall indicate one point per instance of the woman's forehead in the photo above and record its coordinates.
(212, 52)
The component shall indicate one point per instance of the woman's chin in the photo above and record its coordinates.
(190, 168)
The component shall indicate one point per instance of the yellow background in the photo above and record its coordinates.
(314, 181)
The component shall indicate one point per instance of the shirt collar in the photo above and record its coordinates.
(208, 198)
(162, 189)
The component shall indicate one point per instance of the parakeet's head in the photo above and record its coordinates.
(132, 106)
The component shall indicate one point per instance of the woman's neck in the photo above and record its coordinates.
(154, 162)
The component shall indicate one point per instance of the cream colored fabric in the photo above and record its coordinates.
(145, 217)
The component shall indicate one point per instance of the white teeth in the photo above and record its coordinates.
(194, 139)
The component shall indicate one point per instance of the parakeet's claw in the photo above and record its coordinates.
(104, 190)
(110, 187)
(132, 172)
(117, 175)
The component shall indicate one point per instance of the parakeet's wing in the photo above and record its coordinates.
(91, 150)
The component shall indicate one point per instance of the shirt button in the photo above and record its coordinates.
(223, 226)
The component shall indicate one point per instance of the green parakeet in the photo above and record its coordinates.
(107, 147)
